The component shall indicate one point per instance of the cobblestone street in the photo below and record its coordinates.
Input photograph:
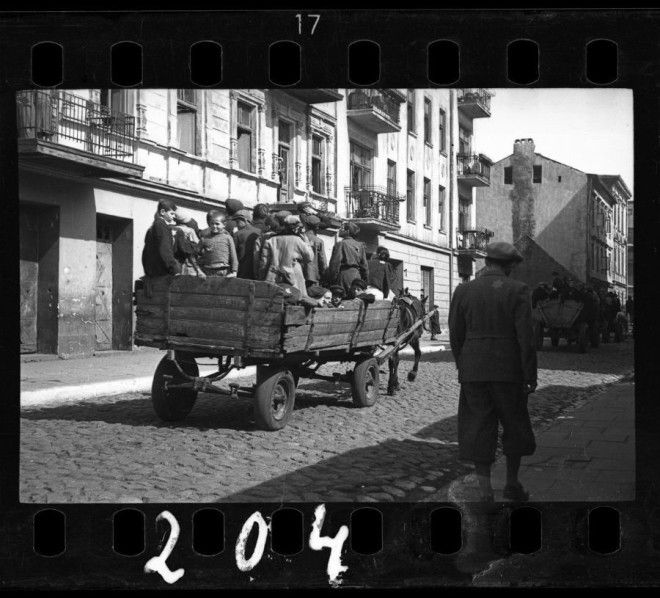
(114, 449)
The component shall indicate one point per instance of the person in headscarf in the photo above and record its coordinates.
(381, 274)
(349, 258)
(284, 255)
(315, 270)
(186, 243)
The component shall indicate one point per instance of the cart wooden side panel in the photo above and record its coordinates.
(226, 314)
(355, 325)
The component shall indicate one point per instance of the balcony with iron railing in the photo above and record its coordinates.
(473, 242)
(315, 96)
(473, 169)
(474, 102)
(62, 130)
(375, 109)
(373, 208)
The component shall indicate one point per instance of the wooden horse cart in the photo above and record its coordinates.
(248, 323)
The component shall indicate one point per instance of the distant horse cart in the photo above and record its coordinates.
(561, 319)
(248, 323)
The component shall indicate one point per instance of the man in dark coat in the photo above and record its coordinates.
(245, 239)
(314, 270)
(158, 253)
(349, 258)
(630, 309)
(381, 274)
(490, 331)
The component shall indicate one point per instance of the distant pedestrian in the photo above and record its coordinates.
(435, 324)
(217, 251)
(490, 331)
(259, 214)
(630, 309)
(158, 254)
(245, 240)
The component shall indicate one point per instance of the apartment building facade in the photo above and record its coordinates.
(93, 164)
(578, 219)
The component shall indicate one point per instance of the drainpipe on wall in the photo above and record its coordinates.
(451, 193)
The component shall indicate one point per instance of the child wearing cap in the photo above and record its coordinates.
(217, 251)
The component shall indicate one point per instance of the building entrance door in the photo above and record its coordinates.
(29, 276)
(427, 286)
(114, 274)
(39, 259)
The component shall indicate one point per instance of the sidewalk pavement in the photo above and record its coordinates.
(47, 379)
(588, 454)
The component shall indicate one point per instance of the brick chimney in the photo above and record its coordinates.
(522, 194)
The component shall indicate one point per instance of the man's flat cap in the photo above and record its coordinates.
(233, 205)
(503, 252)
(337, 289)
(311, 220)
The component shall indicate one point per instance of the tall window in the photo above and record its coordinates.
(538, 173)
(427, 285)
(427, 120)
(427, 202)
(464, 208)
(464, 141)
(391, 178)
(442, 123)
(508, 175)
(410, 106)
(186, 120)
(318, 161)
(410, 196)
(441, 206)
(245, 136)
(284, 152)
(361, 166)
(119, 100)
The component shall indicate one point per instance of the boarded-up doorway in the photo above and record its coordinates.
(114, 274)
(39, 260)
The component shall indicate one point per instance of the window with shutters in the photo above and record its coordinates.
(318, 164)
(441, 207)
(410, 196)
(442, 123)
(186, 120)
(427, 121)
(508, 175)
(410, 108)
(245, 136)
(538, 173)
(427, 202)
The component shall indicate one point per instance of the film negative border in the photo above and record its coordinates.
(417, 541)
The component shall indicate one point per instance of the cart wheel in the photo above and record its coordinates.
(274, 398)
(365, 382)
(173, 405)
(583, 338)
(554, 339)
(619, 333)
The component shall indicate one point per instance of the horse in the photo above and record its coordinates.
(411, 309)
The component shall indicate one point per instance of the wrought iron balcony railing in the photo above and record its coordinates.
(66, 119)
(474, 101)
(474, 169)
(473, 241)
(381, 102)
(373, 203)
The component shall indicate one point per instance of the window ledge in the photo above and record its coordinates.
(428, 144)
(411, 221)
(412, 133)
(428, 227)
(443, 152)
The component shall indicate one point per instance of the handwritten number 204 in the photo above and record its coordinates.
(316, 19)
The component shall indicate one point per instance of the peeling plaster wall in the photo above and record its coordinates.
(77, 258)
